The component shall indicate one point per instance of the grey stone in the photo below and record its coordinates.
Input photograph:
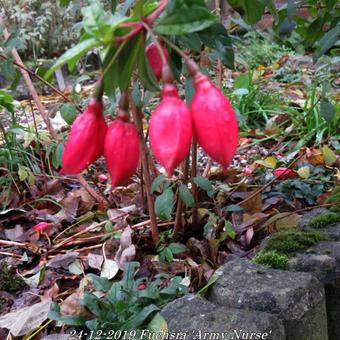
(332, 231)
(332, 285)
(322, 266)
(201, 319)
(298, 299)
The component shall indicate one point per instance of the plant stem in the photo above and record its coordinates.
(53, 88)
(178, 227)
(194, 185)
(146, 174)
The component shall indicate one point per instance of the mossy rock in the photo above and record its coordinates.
(9, 281)
(325, 220)
(271, 259)
(335, 197)
(288, 242)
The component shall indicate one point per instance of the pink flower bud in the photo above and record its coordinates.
(86, 140)
(121, 151)
(170, 129)
(155, 59)
(215, 124)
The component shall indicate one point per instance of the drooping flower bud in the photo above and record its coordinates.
(86, 140)
(121, 150)
(215, 124)
(155, 59)
(170, 129)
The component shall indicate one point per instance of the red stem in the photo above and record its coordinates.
(138, 26)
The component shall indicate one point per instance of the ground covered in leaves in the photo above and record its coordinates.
(56, 239)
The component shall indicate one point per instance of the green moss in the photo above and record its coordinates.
(271, 259)
(9, 281)
(335, 197)
(324, 220)
(287, 242)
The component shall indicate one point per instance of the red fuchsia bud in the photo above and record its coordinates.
(86, 140)
(155, 59)
(41, 226)
(215, 124)
(102, 178)
(170, 129)
(285, 173)
(121, 151)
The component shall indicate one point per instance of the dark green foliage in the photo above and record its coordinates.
(9, 281)
(271, 259)
(129, 304)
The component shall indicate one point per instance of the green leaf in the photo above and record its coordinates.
(115, 293)
(327, 110)
(64, 3)
(191, 41)
(6, 101)
(251, 10)
(23, 173)
(228, 227)
(184, 21)
(164, 204)
(314, 31)
(204, 184)
(12, 42)
(137, 320)
(7, 70)
(157, 182)
(177, 248)
(73, 54)
(242, 81)
(129, 273)
(329, 155)
(68, 112)
(157, 324)
(186, 196)
(330, 4)
(217, 38)
(99, 283)
(327, 41)
(213, 278)
(189, 89)
(57, 155)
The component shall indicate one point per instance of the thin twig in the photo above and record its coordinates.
(147, 180)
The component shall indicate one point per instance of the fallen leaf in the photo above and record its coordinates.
(95, 261)
(304, 172)
(329, 155)
(126, 251)
(110, 268)
(24, 320)
(71, 305)
(269, 162)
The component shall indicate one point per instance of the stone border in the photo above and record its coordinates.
(305, 298)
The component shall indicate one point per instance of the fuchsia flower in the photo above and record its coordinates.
(121, 150)
(86, 140)
(171, 129)
(155, 59)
